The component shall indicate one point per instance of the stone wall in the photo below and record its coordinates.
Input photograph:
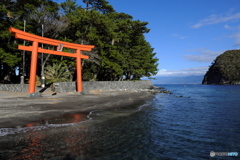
(63, 87)
(14, 87)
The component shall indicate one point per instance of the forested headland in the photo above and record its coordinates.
(121, 51)
(225, 69)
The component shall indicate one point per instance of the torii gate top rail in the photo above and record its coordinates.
(35, 49)
(31, 37)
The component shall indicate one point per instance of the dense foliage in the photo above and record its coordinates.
(121, 51)
(225, 69)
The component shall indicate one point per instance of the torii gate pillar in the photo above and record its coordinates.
(33, 69)
(79, 71)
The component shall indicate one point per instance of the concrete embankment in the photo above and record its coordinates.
(65, 87)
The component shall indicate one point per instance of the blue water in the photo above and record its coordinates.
(185, 125)
(205, 119)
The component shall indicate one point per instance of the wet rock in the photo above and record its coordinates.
(179, 96)
(155, 87)
(165, 91)
(153, 91)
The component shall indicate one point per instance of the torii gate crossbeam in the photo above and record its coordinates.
(35, 50)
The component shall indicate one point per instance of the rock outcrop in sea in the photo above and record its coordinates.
(225, 69)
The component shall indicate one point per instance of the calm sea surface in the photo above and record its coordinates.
(187, 125)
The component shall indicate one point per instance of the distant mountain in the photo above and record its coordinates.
(178, 80)
(225, 69)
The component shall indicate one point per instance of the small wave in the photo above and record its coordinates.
(89, 116)
(11, 131)
(143, 106)
(38, 127)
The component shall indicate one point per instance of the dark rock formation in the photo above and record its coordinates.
(225, 69)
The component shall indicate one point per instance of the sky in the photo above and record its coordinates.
(187, 35)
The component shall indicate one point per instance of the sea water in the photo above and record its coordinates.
(188, 124)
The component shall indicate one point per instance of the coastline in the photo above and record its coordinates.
(18, 109)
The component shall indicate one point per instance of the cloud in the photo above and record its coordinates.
(236, 36)
(227, 26)
(183, 72)
(203, 56)
(178, 36)
(215, 19)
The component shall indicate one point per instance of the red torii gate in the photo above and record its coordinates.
(35, 49)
